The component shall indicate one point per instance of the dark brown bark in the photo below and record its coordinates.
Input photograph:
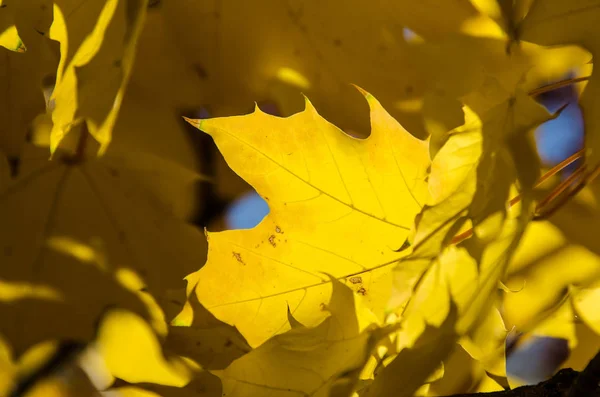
(565, 383)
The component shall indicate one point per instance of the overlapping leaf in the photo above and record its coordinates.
(72, 226)
(271, 50)
(307, 361)
(411, 368)
(339, 205)
(30, 376)
(551, 22)
(22, 98)
(96, 61)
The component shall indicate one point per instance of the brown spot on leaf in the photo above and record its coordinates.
(323, 306)
(200, 71)
(228, 343)
(362, 291)
(238, 257)
(337, 42)
(278, 230)
(272, 240)
(356, 280)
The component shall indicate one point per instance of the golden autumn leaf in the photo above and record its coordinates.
(97, 41)
(339, 205)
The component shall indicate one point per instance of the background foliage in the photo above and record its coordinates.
(415, 242)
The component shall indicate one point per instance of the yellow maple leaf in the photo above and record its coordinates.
(97, 41)
(339, 205)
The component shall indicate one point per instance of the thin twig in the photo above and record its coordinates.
(553, 86)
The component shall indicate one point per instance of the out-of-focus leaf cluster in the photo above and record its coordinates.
(400, 254)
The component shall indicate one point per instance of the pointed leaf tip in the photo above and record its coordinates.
(365, 93)
(371, 100)
(195, 122)
(308, 104)
(292, 320)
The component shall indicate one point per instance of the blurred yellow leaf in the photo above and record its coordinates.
(339, 205)
(541, 286)
(45, 369)
(9, 37)
(21, 97)
(97, 41)
(161, 87)
(578, 218)
(22, 21)
(555, 22)
(412, 366)
(485, 343)
(245, 46)
(99, 232)
(133, 353)
(585, 303)
(560, 324)
(204, 384)
(588, 344)
(541, 239)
